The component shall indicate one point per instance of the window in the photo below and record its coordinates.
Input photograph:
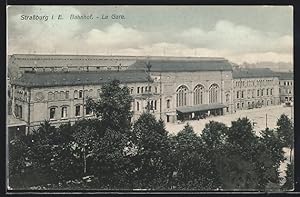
(242, 105)
(267, 92)
(80, 94)
(146, 89)
(138, 90)
(50, 96)
(181, 96)
(64, 112)
(18, 111)
(242, 94)
(227, 109)
(198, 95)
(137, 106)
(62, 95)
(56, 95)
(213, 93)
(168, 103)
(149, 88)
(142, 90)
(238, 105)
(155, 105)
(76, 94)
(91, 92)
(88, 110)
(155, 89)
(131, 91)
(237, 94)
(227, 98)
(257, 92)
(262, 92)
(67, 94)
(77, 110)
(52, 113)
(86, 93)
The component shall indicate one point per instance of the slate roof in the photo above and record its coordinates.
(50, 79)
(285, 75)
(253, 73)
(208, 64)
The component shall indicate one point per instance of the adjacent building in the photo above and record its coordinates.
(286, 86)
(255, 87)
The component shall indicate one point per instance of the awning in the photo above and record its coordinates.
(196, 108)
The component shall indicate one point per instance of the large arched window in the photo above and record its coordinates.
(213, 93)
(198, 95)
(181, 96)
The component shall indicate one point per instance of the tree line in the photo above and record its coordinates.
(110, 152)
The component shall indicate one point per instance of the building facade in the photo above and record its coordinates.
(172, 88)
(255, 87)
(286, 86)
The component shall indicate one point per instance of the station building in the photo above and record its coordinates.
(56, 87)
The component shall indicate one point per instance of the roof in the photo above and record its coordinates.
(253, 73)
(203, 107)
(285, 75)
(50, 79)
(209, 64)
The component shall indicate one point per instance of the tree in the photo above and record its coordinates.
(151, 154)
(193, 169)
(111, 158)
(269, 156)
(240, 154)
(17, 161)
(113, 107)
(289, 184)
(214, 138)
(85, 138)
(285, 130)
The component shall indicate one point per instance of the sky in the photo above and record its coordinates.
(238, 33)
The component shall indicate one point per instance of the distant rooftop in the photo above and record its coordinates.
(209, 64)
(285, 75)
(253, 73)
(102, 57)
(50, 79)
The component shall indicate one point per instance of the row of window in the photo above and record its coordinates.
(286, 91)
(250, 83)
(198, 95)
(64, 112)
(143, 89)
(253, 104)
(286, 83)
(63, 95)
(250, 93)
(151, 105)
